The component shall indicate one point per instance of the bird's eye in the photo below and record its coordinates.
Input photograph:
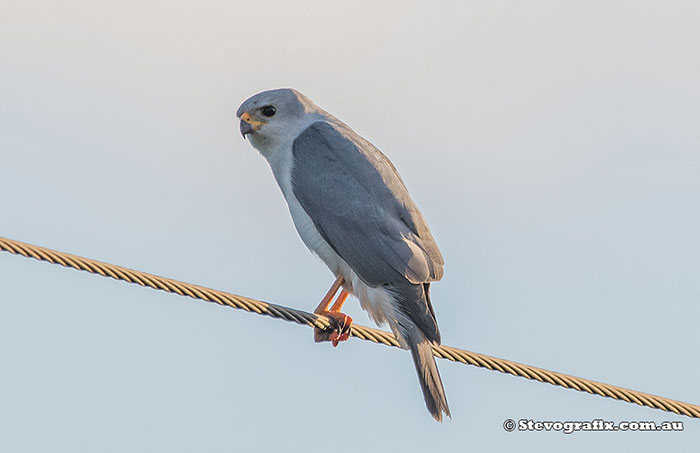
(269, 110)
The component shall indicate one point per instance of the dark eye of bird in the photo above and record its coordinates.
(268, 111)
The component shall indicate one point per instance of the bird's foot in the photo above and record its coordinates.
(338, 331)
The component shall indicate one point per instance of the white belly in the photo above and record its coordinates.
(376, 301)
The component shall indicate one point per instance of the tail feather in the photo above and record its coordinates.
(428, 374)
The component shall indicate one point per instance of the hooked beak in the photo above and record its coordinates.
(249, 125)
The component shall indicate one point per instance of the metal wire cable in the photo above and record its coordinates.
(362, 332)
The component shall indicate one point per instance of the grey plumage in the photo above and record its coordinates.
(427, 370)
(361, 207)
(358, 201)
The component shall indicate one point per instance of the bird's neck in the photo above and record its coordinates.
(271, 148)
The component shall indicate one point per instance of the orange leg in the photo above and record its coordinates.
(326, 301)
(338, 304)
(340, 323)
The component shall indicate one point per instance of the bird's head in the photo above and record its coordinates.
(273, 117)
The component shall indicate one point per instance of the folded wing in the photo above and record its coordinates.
(361, 207)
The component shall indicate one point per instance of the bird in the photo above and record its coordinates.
(352, 209)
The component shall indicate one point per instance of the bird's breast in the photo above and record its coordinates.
(282, 165)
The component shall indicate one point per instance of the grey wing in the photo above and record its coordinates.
(361, 207)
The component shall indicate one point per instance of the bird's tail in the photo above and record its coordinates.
(428, 374)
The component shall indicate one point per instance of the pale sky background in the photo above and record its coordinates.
(553, 147)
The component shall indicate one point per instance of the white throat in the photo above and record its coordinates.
(274, 141)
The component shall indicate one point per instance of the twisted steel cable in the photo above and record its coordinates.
(362, 332)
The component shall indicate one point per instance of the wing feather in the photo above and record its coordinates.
(361, 207)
